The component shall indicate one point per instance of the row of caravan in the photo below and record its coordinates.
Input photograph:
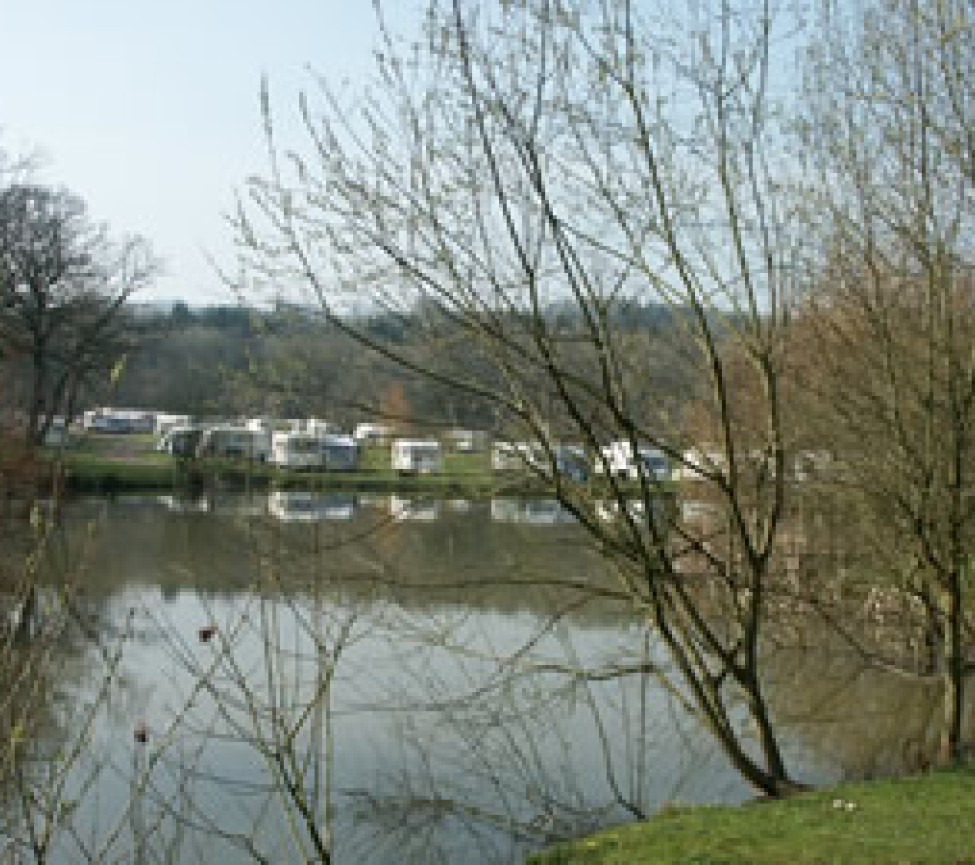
(330, 451)
(618, 460)
(297, 450)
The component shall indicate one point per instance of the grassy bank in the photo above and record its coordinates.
(87, 473)
(100, 463)
(927, 819)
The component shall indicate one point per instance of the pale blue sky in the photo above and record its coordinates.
(149, 108)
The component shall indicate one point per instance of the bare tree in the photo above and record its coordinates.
(585, 155)
(63, 289)
(890, 130)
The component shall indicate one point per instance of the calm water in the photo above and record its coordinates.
(429, 675)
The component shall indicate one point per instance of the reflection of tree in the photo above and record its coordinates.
(46, 767)
(495, 722)
(375, 690)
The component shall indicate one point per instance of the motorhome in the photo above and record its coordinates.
(56, 434)
(119, 421)
(296, 450)
(415, 456)
(227, 441)
(465, 441)
(165, 422)
(372, 433)
(340, 453)
(181, 441)
(620, 461)
(516, 456)
(698, 461)
(571, 462)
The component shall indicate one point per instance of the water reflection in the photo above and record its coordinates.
(396, 679)
(306, 506)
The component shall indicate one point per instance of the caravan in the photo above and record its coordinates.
(227, 441)
(415, 456)
(296, 450)
(618, 460)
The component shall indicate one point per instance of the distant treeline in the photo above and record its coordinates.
(290, 362)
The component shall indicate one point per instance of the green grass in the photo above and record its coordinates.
(98, 472)
(110, 463)
(927, 819)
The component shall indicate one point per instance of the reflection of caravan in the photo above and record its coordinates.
(533, 512)
(420, 510)
(415, 456)
(235, 442)
(619, 461)
(296, 507)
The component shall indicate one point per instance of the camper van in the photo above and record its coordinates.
(372, 433)
(619, 460)
(181, 441)
(296, 450)
(516, 456)
(165, 422)
(340, 453)
(415, 456)
(225, 441)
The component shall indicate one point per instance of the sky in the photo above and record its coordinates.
(149, 109)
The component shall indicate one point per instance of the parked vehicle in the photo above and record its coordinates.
(118, 420)
(465, 441)
(340, 453)
(165, 422)
(416, 456)
(181, 441)
(571, 461)
(515, 456)
(697, 461)
(372, 433)
(57, 433)
(296, 450)
(620, 461)
(225, 441)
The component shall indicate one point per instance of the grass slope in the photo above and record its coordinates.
(927, 819)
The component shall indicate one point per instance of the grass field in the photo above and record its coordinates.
(113, 463)
(924, 820)
(97, 462)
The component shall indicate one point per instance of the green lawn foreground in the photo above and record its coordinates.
(926, 819)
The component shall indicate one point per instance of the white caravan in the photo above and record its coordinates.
(516, 456)
(619, 460)
(372, 433)
(165, 422)
(416, 456)
(696, 461)
(339, 452)
(296, 450)
(226, 441)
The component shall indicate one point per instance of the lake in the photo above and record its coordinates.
(260, 678)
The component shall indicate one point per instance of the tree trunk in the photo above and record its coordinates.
(954, 675)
